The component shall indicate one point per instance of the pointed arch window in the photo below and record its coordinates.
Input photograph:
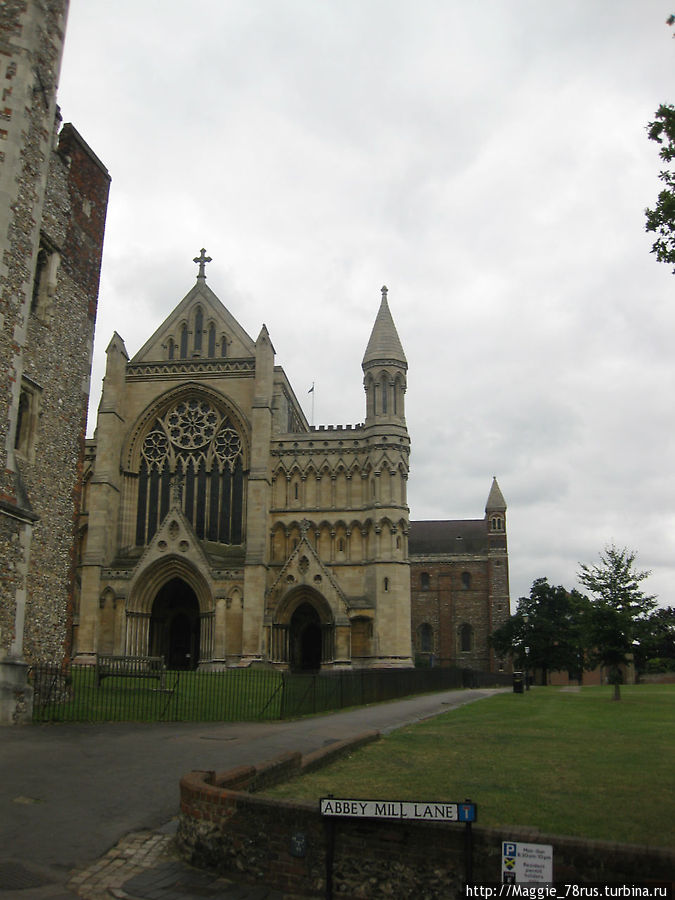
(223, 346)
(183, 342)
(212, 341)
(172, 348)
(466, 638)
(199, 327)
(198, 448)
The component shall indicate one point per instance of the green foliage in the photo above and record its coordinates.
(619, 611)
(661, 219)
(656, 634)
(547, 631)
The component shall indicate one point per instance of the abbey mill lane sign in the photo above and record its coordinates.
(442, 811)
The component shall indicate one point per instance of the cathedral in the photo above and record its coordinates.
(206, 522)
(219, 528)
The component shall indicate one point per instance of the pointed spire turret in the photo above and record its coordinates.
(495, 514)
(495, 500)
(384, 369)
(384, 344)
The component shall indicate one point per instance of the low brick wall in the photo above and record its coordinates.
(225, 826)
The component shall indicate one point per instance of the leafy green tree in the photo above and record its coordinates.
(656, 649)
(547, 631)
(618, 611)
(661, 219)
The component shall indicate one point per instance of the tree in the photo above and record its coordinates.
(547, 632)
(656, 650)
(661, 219)
(618, 612)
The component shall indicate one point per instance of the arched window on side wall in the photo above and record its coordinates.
(425, 581)
(426, 637)
(466, 580)
(465, 638)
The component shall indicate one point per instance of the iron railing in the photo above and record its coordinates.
(73, 693)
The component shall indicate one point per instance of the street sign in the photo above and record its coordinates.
(440, 811)
(532, 863)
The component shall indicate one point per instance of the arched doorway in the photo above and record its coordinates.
(305, 639)
(174, 625)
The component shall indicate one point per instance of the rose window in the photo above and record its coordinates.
(194, 443)
(192, 424)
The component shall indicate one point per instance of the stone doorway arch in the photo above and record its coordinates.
(303, 636)
(305, 639)
(171, 613)
(175, 625)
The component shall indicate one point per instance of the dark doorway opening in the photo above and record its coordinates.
(305, 639)
(174, 625)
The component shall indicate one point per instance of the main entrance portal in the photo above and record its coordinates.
(174, 625)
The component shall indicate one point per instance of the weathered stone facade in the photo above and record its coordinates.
(53, 200)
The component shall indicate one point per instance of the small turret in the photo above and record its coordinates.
(495, 509)
(384, 369)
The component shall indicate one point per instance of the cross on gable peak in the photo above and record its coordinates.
(201, 261)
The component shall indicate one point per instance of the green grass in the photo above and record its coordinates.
(233, 695)
(573, 763)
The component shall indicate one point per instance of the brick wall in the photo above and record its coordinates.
(447, 605)
(283, 844)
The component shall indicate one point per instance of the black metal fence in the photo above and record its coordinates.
(73, 693)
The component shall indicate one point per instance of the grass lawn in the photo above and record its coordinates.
(566, 762)
(232, 695)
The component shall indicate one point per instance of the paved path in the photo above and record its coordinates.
(70, 793)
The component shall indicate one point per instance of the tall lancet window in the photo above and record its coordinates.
(199, 446)
(212, 340)
(199, 326)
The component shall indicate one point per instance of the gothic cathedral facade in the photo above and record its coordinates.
(219, 528)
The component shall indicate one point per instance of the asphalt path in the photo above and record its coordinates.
(69, 792)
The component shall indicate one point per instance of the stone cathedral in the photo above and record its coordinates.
(218, 528)
(221, 528)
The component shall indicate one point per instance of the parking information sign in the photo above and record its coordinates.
(531, 863)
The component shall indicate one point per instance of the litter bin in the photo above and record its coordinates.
(518, 682)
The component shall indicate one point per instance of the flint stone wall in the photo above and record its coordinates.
(224, 826)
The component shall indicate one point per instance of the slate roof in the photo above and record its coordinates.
(449, 536)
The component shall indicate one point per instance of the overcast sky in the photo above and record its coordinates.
(488, 162)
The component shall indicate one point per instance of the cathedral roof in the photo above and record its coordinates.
(447, 536)
(384, 343)
(242, 345)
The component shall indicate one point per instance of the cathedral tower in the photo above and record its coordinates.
(384, 378)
